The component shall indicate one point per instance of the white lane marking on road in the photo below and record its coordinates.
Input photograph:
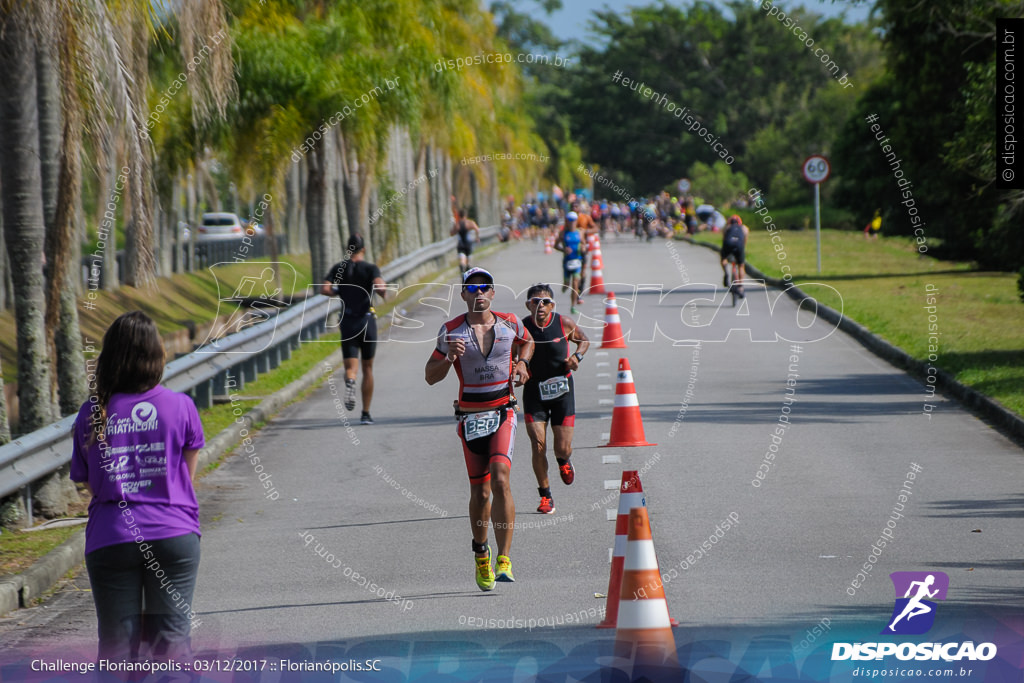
(604, 374)
(611, 484)
(611, 515)
(603, 364)
(606, 402)
(610, 459)
(606, 435)
(605, 387)
(601, 354)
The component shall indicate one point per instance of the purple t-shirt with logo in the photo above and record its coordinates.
(140, 481)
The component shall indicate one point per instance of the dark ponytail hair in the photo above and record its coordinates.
(131, 362)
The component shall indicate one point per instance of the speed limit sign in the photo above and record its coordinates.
(816, 169)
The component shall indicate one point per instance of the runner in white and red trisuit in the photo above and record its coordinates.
(490, 351)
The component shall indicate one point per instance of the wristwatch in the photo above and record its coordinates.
(525, 360)
(579, 356)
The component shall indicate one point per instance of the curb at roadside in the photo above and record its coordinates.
(1004, 420)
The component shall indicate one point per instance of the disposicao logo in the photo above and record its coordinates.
(914, 611)
(914, 614)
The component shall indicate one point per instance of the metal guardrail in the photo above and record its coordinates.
(204, 372)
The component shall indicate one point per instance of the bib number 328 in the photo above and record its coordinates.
(479, 425)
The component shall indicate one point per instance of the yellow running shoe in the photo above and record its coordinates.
(504, 569)
(484, 572)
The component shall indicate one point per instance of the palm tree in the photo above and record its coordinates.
(21, 194)
(5, 428)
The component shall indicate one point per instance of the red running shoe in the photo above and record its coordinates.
(567, 473)
(545, 507)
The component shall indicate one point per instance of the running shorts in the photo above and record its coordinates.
(560, 412)
(359, 336)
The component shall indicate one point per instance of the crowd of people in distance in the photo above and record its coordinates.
(645, 218)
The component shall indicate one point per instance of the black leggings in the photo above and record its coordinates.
(145, 600)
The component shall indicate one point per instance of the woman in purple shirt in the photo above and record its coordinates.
(136, 445)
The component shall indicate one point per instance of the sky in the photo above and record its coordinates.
(571, 21)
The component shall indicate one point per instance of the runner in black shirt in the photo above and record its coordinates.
(549, 394)
(355, 281)
(463, 227)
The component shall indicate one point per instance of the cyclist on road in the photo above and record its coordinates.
(734, 243)
(355, 281)
(490, 351)
(462, 227)
(570, 243)
(549, 393)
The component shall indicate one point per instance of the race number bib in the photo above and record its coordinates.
(573, 264)
(551, 389)
(479, 425)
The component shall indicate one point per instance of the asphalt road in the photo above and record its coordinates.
(712, 385)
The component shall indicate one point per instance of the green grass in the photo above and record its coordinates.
(19, 549)
(219, 417)
(881, 284)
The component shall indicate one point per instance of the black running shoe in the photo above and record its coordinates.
(366, 419)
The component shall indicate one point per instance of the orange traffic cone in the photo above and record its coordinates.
(612, 338)
(631, 495)
(643, 610)
(547, 245)
(627, 423)
(596, 276)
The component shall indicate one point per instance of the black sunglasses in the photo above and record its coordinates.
(473, 289)
(537, 300)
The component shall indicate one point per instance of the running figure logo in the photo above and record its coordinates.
(914, 612)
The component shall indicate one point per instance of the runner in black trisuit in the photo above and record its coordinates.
(355, 280)
(549, 393)
(462, 227)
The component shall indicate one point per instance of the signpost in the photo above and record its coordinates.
(816, 171)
